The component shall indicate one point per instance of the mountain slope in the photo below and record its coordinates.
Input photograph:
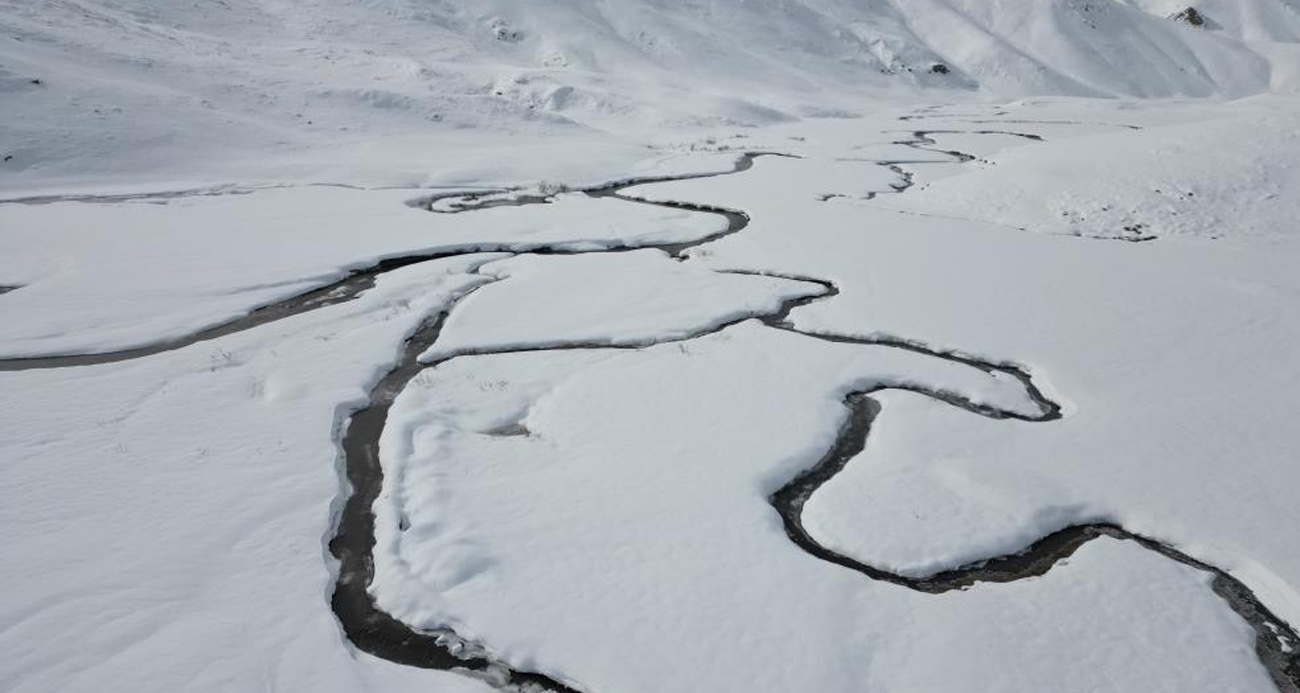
(125, 85)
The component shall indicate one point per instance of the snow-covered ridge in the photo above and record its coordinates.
(122, 85)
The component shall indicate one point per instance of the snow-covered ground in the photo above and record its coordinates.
(1143, 343)
(100, 277)
(393, 92)
(658, 530)
(170, 514)
(649, 346)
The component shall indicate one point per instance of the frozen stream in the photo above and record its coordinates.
(378, 633)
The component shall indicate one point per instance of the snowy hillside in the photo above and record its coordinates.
(127, 85)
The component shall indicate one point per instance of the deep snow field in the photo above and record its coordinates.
(645, 346)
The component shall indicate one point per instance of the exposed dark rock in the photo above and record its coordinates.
(1190, 16)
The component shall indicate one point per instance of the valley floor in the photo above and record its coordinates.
(942, 398)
